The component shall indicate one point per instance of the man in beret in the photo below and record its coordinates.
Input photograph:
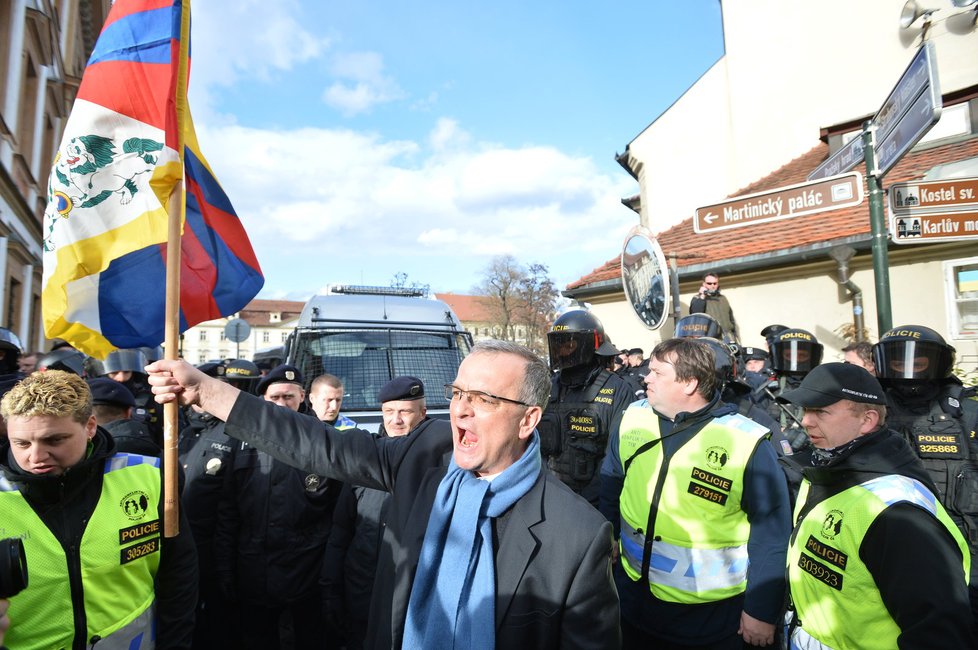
(357, 534)
(112, 406)
(272, 527)
(402, 404)
(867, 522)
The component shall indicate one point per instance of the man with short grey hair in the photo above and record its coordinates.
(483, 548)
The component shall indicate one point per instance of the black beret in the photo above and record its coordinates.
(109, 391)
(401, 388)
(212, 368)
(283, 374)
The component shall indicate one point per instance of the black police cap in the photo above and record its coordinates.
(283, 374)
(748, 353)
(108, 391)
(401, 389)
(831, 382)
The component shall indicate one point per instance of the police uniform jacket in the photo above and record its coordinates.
(65, 503)
(132, 437)
(273, 522)
(552, 550)
(764, 500)
(916, 564)
(205, 453)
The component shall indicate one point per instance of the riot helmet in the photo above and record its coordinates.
(795, 352)
(10, 351)
(698, 326)
(242, 374)
(129, 360)
(575, 339)
(64, 358)
(912, 352)
(724, 365)
(152, 354)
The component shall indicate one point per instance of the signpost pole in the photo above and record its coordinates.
(877, 220)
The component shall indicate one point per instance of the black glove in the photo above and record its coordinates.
(334, 612)
(225, 583)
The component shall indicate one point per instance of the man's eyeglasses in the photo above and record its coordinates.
(479, 399)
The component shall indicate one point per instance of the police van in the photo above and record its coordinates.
(366, 336)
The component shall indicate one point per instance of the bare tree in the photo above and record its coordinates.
(500, 289)
(516, 296)
(538, 296)
(400, 281)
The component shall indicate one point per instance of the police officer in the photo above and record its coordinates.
(112, 405)
(696, 326)
(205, 453)
(794, 352)
(10, 351)
(873, 561)
(930, 407)
(101, 572)
(64, 358)
(586, 401)
(272, 527)
(128, 368)
(735, 391)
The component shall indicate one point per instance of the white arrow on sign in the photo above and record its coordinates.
(709, 217)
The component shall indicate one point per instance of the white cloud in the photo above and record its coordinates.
(363, 83)
(338, 199)
(230, 45)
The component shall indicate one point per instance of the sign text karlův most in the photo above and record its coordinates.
(925, 211)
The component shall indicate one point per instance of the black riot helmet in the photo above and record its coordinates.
(242, 374)
(724, 364)
(912, 352)
(11, 350)
(576, 338)
(64, 358)
(698, 326)
(795, 352)
(128, 360)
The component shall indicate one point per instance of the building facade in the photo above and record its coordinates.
(44, 46)
(269, 323)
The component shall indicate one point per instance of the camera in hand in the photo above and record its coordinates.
(13, 567)
(712, 292)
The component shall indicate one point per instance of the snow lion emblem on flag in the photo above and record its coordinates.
(91, 170)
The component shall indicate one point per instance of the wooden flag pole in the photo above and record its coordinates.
(171, 342)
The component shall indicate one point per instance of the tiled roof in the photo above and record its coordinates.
(257, 311)
(717, 247)
(469, 309)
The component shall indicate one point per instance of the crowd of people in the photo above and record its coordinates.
(708, 495)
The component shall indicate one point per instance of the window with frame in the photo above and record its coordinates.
(961, 281)
(203, 335)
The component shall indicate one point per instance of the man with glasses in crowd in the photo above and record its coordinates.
(710, 301)
(483, 547)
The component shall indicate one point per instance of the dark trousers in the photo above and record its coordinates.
(261, 627)
(634, 638)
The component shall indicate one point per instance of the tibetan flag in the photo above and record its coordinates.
(128, 143)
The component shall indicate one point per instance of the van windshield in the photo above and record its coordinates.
(365, 360)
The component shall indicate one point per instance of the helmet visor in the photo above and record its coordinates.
(570, 348)
(913, 360)
(794, 356)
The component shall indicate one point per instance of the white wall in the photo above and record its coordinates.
(790, 69)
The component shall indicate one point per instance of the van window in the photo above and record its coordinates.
(366, 359)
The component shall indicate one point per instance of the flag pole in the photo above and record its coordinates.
(176, 213)
(171, 496)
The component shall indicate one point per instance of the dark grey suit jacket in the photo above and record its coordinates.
(553, 550)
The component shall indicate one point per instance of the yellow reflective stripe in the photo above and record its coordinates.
(694, 570)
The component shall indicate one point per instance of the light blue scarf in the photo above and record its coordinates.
(453, 598)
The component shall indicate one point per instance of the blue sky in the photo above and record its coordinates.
(360, 140)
